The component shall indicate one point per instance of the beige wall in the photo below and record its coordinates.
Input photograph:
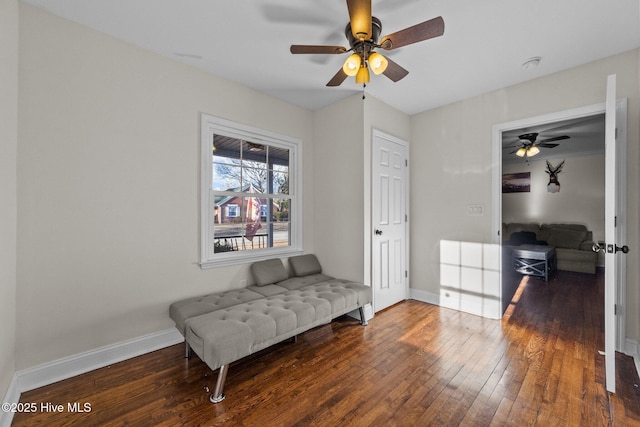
(338, 177)
(342, 158)
(8, 194)
(580, 200)
(108, 176)
(453, 146)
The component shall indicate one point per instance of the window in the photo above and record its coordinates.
(250, 206)
(232, 211)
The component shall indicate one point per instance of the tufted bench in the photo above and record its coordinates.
(193, 307)
(224, 327)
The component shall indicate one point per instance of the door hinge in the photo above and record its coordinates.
(615, 309)
(406, 218)
(406, 274)
(406, 162)
(615, 221)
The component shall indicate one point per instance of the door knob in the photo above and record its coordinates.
(624, 249)
(615, 248)
(378, 232)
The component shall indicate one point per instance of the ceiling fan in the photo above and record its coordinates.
(529, 144)
(362, 32)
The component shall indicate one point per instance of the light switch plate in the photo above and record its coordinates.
(475, 210)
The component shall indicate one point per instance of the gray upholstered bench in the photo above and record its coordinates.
(225, 327)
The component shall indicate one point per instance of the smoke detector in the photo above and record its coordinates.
(531, 62)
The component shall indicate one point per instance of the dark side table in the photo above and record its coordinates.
(534, 260)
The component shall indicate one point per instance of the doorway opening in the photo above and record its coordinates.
(585, 166)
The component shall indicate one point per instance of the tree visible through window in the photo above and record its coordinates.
(249, 198)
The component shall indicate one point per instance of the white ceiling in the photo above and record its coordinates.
(483, 47)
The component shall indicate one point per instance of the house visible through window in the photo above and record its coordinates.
(250, 208)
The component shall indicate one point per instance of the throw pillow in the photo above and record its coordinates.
(268, 272)
(304, 265)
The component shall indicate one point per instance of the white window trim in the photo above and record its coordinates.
(211, 125)
(235, 208)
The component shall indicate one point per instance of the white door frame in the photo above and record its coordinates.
(611, 236)
(621, 171)
(381, 134)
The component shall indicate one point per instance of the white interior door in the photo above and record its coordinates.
(611, 271)
(389, 220)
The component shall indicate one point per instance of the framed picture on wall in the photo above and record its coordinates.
(516, 182)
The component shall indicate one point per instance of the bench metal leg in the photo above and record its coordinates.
(363, 320)
(218, 396)
(187, 350)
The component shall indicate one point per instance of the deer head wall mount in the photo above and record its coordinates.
(554, 186)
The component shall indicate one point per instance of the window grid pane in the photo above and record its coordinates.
(245, 218)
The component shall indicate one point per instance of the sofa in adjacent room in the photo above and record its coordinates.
(573, 243)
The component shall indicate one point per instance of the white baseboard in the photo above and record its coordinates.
(61, 369)
(68, 367)
(424, 296)
(12, 396)
(632, 348)
(368, 313)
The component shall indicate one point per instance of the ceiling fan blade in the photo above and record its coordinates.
(301, 48)
(419, 32)
(338, 78)
(394, 71)
(547, 145)
(530, 137)
(555, 138)
(360, 17)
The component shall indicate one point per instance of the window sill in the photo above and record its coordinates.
(226, 259)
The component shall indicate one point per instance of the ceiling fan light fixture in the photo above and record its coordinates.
(363, 75)
(378, 63)
(521, 152)
(363, 32)
(352, 65)
(532, 151)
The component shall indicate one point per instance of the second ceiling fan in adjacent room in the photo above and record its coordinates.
(529, 145)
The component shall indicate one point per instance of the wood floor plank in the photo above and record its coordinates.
(415, 364)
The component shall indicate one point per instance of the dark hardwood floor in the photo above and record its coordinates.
(414, 365)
